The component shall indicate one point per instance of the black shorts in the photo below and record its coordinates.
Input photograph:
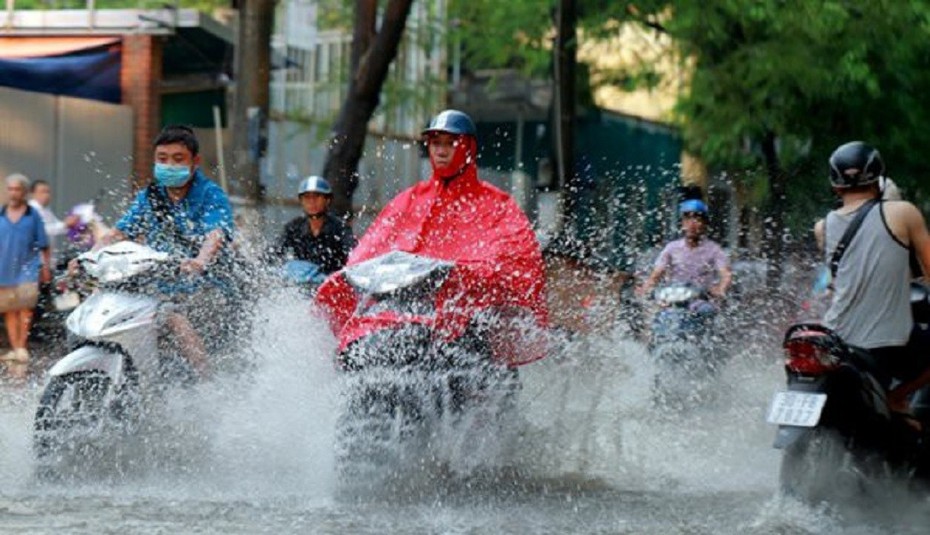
(905, 363)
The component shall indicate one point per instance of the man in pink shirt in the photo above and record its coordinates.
(693, 259)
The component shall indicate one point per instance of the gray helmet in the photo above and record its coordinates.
(855, 164)
(452, 122)
(314, 184)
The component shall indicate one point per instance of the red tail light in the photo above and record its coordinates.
(806, 356)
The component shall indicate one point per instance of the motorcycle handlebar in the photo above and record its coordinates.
(77, 273)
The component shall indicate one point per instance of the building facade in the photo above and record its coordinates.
(309, 86)
(157, 66)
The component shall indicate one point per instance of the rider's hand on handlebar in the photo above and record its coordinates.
(193, 266)
(716, 292)
(74, 267)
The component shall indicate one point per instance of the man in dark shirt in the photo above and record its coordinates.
(317, 236)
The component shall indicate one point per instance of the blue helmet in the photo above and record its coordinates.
(314, 184)
(693, 206)
(452, 122)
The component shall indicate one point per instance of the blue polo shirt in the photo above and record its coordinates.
(181, 230)
(20, 244)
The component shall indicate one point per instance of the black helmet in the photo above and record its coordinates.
(855, 164)
(452, 122)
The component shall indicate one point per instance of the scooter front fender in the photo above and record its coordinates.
(91, 358)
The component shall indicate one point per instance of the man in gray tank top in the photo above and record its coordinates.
(870, 307)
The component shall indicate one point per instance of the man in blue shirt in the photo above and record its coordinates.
(24, 261)
(184, 214)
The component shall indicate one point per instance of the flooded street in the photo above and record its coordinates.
(592, 454)
(568, 254)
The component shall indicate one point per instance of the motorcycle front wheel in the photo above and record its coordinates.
(73, 412)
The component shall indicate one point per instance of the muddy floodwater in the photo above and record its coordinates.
(590, 452)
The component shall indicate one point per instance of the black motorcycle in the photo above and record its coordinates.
(834, 425)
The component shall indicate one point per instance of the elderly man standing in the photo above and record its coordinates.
(24, 261)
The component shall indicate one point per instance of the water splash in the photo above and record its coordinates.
(590, 447)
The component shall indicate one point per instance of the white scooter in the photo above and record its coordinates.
(97, 390)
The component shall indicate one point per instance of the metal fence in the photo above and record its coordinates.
(82, 148)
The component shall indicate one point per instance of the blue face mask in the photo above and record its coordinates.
(172, 176)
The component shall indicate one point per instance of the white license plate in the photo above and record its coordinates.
(801, 409)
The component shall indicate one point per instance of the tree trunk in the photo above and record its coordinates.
(564, 74)
(775, 221)
(372, 53)
(250, 106)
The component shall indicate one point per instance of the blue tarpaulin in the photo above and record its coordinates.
(92, 74)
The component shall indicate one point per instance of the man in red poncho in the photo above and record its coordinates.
(456, 217)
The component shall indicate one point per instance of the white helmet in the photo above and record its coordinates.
(314, 184)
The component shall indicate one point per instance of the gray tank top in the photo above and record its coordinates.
(871, 292)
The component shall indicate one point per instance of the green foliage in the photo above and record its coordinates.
(335, 14)
(495, 34)
(815, 73)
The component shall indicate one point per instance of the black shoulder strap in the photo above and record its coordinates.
(848, 235)
(160, 209)
(158, 202)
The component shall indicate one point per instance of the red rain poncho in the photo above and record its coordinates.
(498, 263)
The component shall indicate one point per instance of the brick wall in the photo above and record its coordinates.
(140, 80)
